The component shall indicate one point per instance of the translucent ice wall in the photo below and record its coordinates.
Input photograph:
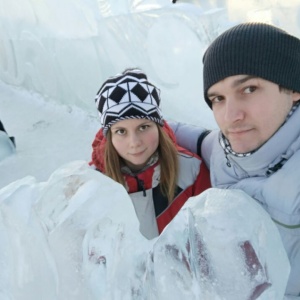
(65, 49)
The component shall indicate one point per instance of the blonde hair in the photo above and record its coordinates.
(168, 160)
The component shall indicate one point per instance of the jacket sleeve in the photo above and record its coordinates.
(207, 145)
(189, 136)
(202, 181)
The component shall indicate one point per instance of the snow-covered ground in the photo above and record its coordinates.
(54, 56)
(47, 134)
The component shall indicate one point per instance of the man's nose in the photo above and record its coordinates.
(233, 110)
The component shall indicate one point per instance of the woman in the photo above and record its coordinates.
(137, 148)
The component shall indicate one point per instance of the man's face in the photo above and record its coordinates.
(249, 110)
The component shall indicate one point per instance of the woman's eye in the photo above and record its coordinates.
(144, 127)
(250, 89)
(120, 131)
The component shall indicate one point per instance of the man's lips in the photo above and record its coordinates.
(239, 131)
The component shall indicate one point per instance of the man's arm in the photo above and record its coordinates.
(189, 136)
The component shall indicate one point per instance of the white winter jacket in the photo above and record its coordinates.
(271, 175)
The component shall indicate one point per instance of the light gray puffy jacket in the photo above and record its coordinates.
(271, 175)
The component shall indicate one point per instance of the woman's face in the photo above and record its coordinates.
(135, 140)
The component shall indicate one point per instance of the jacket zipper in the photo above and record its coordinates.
(141, 186)
(227, 160)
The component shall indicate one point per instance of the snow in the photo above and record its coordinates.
(54, 56)
(47, 134)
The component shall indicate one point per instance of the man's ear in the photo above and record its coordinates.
(296, 96)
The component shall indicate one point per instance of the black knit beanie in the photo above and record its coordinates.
(128, 96)
(256, 49)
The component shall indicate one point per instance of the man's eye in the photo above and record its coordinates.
(216, 99)
(250, 89)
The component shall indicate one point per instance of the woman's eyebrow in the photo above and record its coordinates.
(117, 127)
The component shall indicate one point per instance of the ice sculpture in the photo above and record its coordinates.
(76, 237)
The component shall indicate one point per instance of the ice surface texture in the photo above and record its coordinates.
(76, 237)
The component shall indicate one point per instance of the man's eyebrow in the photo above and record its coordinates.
(242, 80)
(234, 84)
(209, 95)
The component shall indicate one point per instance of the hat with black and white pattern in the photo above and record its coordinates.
(128, 96)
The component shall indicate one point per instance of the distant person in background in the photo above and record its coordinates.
(3, 129)
(252, 84)
(7, 143)
(137, 148)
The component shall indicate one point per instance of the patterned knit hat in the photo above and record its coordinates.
(254, 49)
(128, 96)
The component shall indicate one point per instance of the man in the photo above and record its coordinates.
(252, 83)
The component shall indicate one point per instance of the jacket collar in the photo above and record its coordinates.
(153, 160)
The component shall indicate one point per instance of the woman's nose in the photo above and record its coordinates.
(135, 140)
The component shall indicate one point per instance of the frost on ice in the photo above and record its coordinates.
(76, 236)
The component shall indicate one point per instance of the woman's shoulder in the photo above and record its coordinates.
(98, 146)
